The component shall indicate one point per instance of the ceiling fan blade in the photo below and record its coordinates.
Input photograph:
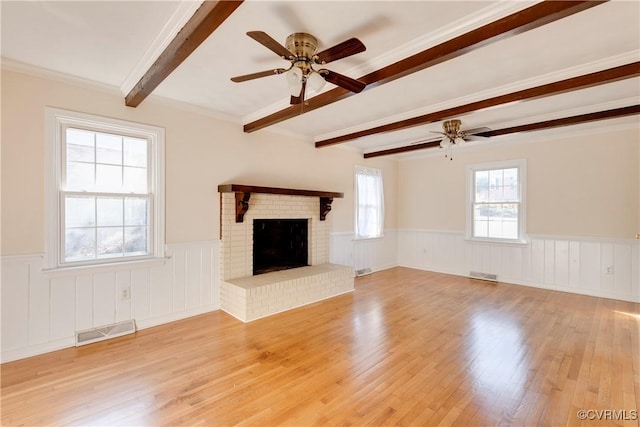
(429, 142)
(476, 130)
(267, 41)
(252, 76)
(300, 98)
(475, 134)
(470, 138)
(343, 81)
(339, 51)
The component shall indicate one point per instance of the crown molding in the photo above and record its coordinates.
(291, 134)
(578, 70)
(8, 64)
(176, 22)
(192, 108)
(218, 115)
(43, 73)
(491, 13)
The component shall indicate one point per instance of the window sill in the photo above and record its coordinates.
(103, 268)
(359, 238)
(523, 242)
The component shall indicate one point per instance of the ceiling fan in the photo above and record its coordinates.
(301, 51)
(453, 135)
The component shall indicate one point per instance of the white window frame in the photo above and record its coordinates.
(375, 171)
(521, 165)
(56, 121)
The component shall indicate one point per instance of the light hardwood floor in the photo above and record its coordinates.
(407, 347)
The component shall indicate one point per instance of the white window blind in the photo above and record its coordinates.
(369, 195)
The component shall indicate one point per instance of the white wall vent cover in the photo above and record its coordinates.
(484, 276)
(363, 271)
(105, 332)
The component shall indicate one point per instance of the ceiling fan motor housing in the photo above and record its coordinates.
(302, 45)
(452, 127)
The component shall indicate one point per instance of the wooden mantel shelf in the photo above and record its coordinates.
(243, 194)
(237, 188)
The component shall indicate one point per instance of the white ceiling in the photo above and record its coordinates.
(114, 42)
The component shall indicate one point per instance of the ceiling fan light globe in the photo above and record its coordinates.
(460, 141)
(316, 81)
(445, 142)
(294, 81)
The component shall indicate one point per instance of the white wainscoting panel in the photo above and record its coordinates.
(376, 254)
(601, 267)
(41, 313)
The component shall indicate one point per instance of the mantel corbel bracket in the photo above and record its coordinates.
(325, 207)
(242, 205)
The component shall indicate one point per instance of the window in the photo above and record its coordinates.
(369, 203)
(496, 202)
(104, 189)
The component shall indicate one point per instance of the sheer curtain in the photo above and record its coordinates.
(369, 202)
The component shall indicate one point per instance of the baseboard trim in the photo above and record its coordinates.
(566, 289)
(37, 349)
(173, 317)
(570, 290)
(375, 269)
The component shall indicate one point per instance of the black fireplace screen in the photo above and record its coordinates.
(279, 244)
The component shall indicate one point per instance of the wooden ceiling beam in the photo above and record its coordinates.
(204, 21)
(516, 23)
(574, 83)
(404, 149)
(547, 124)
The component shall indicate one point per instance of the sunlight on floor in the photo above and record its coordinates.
(635, 316)
(499, 362)
(370, 337)
(119, 406)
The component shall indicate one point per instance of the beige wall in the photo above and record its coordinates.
(585, 185)
(201, 152)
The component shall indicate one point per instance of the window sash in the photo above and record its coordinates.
(123, 165)
(496, 210)
(97, 227)
(496, 220)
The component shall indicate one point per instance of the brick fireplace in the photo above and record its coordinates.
(250, 297)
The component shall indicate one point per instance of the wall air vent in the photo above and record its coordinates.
(105, 332)
(483, 276)
(363, 272)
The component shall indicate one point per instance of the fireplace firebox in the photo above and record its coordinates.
(279, 244)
